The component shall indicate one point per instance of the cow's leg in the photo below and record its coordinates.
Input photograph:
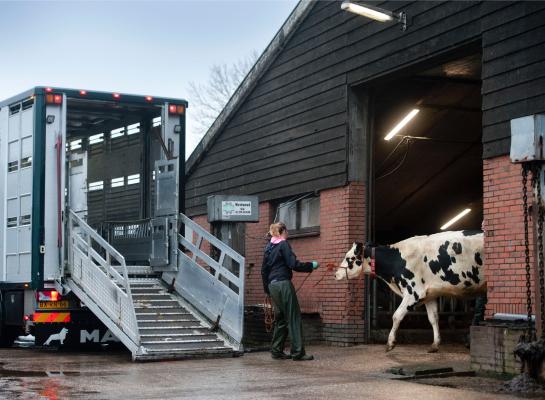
(397, 318)
(433, 317)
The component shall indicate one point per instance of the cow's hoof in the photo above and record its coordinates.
(390, 347)
(433, 349)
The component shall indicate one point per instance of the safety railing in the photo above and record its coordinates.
(130, 238)
(94, 265)
(119, 230)
(213, 285)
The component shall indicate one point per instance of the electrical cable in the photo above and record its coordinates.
(289, 203)
(399, 164)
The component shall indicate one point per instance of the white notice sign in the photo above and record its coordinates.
(236, 208)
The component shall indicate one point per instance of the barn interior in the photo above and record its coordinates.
(430, 171)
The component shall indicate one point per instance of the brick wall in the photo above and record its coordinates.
(492, 347)
(504, 238)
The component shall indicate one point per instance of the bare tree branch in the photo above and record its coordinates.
(208, 99)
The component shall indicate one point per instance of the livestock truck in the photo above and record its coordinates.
(94, 245)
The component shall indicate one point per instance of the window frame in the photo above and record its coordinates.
(298, 231)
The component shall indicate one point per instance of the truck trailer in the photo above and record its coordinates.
(94, 245)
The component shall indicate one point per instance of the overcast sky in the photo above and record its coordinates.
(141, 47)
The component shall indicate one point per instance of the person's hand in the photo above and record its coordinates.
(315, 264)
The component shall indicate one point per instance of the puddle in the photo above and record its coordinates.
(14, 373)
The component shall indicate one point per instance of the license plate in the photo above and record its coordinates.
(53, 304)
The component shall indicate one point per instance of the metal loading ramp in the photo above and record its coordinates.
(195, 311)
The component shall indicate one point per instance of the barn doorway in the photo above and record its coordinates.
(426, 174)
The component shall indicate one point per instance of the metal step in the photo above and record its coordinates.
(165, 354)
(138, 291)
(144, 282)
(137, 270)
(170, 337)
(167, 323)
(151, 296)
(147, 308)
(180, 345)
(167, 329)
(172, 329)
(155, 304)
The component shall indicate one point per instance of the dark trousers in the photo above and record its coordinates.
(287, 319)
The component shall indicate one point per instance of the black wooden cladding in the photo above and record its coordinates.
(287, 136)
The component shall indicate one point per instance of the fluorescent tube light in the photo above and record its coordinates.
(366, 12)
(401, 124)
(456, 218)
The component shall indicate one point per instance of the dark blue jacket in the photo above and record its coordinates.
(279, 261)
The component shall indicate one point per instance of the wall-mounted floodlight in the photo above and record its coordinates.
(376, 13)
(456, 218)
(402, 123)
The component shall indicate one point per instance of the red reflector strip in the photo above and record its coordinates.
(52, 317)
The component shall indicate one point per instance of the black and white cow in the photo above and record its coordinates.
(421, 269)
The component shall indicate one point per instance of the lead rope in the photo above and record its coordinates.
(268, 307)
(269, 314)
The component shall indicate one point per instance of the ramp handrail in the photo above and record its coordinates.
(218, 292)
(90, 260)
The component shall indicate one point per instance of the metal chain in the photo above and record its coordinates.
(537, 179)
(525, 168)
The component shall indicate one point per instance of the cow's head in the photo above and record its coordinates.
(354, 262)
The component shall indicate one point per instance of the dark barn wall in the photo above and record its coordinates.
(290, 134)
(513, 70)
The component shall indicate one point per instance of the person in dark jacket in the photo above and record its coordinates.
(279, 262)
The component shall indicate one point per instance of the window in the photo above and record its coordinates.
(75, 144)
(98, 185)
(26, 162)
(95, 139)
(115, 133)
(24, 219)
(13, 166)
(133, 179)
(118, 182)
(300, 214)
(134, 128)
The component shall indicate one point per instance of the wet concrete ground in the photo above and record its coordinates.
(337, 373)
